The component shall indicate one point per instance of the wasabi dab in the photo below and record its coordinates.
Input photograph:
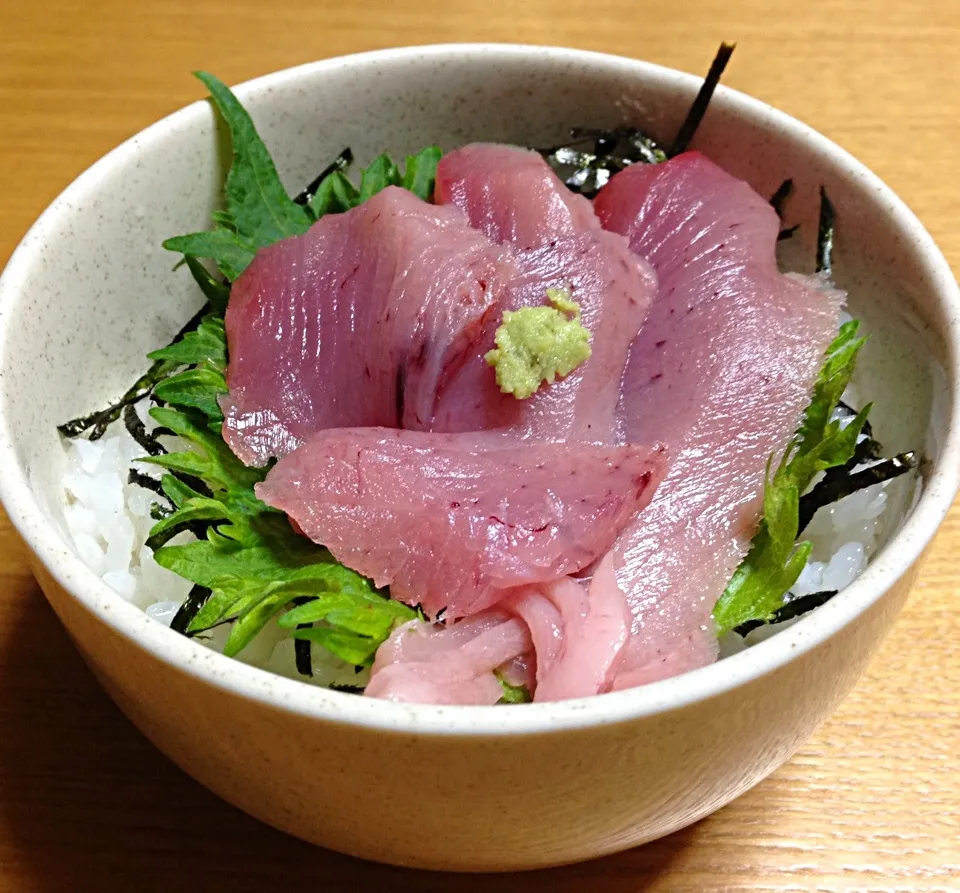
(539, 344)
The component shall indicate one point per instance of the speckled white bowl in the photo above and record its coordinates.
(90, 290)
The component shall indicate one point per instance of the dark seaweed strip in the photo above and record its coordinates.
(348, 689)
(99, 421)
(302, 655)
(788, 232)
(586, 172)
(301, 647)
(780, 196)
(341, 162)
(144, 480)
(794, 608)
(197, 484)
(197, 528)
(867, 427)
(699, 107)
(158, 512)
(188, 610)
(830, 490)
(138, 431)
(825, 230)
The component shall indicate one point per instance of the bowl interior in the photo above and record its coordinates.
(91, 290)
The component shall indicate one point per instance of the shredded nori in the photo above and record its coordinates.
(699, 108)
(825, 229)
(593, 156)
(794, 608)
(98, 422)
(602, 154)
(850, 412)
(144, 480)
(301, 647)
(787, 232)
(833, 488)
(158, 511)
(780, 196)
(777, 201)
(302, 655)
(348, 689)
(138, 432)
(194, 601)
(197, 528)
(341, 162)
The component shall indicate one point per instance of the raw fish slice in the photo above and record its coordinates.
(450, 521)
(578, 637)
(355, 322)
(514, 197)
(425, 664)
(722, 372)
(574, 641)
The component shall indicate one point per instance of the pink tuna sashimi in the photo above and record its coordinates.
(425, 664)
(450, 521)
(355, 322)
(574, 642)
(721, 371)
(514, 197)
(578, 636)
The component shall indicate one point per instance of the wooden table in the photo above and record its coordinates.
(871, 803)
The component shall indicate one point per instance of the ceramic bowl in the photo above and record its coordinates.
(90, 290)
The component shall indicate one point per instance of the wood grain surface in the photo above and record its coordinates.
(871, 803)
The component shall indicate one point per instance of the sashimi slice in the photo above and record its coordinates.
(578, 636)
(454, 664)
(514, 197)
(721, 371)
(511, 194)
(450, 521)
(574, 642)
(355, 322)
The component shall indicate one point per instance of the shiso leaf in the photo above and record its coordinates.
(381, 173)
(776, 559)
(796, 607)
(513, 694)
(249, 556)
(349, 647)
(420, 172)
(206, 345)
(216, 292)
(231, 252)
(337, 193)
(197, 388)
(258, 206)
(213, 461)
(255, 565)
(259, 212)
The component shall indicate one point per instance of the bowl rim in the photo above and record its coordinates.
(678, 692)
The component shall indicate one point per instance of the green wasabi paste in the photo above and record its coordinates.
(539, 344)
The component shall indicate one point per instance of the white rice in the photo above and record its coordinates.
(109, 520)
